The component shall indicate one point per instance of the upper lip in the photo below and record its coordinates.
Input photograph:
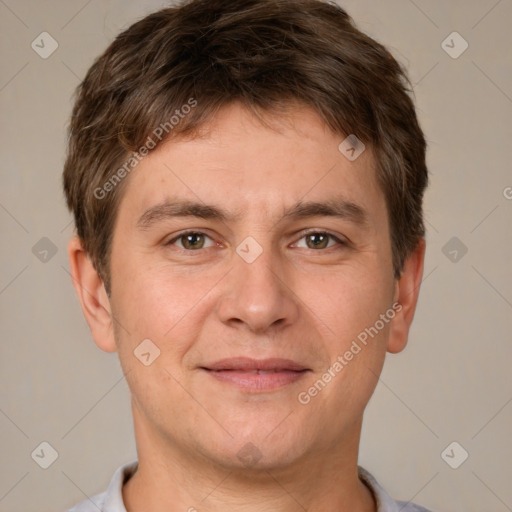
(248, 364)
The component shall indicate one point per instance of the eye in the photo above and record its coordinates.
(319, 240)
(191, 241)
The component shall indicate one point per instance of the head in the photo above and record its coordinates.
(219, 215)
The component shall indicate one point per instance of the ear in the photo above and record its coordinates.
(407, 289)
(92, 295)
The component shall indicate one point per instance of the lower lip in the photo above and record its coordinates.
(257, 381)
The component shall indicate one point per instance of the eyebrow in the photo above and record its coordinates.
(336, 207)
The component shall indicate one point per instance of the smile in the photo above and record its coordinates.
(254, 375)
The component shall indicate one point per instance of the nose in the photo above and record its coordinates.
(258, 296)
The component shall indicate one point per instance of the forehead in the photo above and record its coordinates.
(255, 168)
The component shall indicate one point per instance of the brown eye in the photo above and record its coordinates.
(317, 240)
(191, 241)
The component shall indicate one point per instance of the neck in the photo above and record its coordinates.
(170, 479)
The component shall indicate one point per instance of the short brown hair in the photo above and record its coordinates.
(263, 54)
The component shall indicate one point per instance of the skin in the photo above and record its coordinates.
(202, 302)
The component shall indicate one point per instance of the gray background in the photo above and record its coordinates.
(453, 382)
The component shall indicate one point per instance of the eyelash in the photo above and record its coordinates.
(305, 234)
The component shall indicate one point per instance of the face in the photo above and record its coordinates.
(253, 258)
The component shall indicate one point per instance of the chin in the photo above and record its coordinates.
(258, 450)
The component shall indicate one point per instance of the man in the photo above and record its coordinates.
(246, 178)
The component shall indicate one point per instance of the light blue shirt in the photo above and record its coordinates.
(112, 499)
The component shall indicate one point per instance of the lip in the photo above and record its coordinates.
(256, 375)
(248, 364)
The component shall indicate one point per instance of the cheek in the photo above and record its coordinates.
(155, 302)
(148, 297)
(154, 305)
(348, 301)
(348, 306)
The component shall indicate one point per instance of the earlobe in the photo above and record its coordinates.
(407, 289)
(92, 295)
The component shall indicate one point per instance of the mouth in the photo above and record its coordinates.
(255, 375)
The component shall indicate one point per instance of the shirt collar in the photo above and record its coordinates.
(113, 500)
